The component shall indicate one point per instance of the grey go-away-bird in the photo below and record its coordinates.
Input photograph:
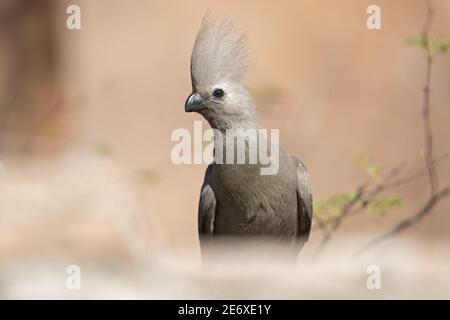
(235, 199)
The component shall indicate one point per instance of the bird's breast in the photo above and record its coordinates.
(251, 203)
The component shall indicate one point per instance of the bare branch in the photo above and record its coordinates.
(411, 221)
(336, 223)
(363, 197)
(426, 101)
(412, 177)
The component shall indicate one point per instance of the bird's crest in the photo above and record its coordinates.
(220, 53)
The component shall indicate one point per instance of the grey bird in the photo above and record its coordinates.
(235, 199)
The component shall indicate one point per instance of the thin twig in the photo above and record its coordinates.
(411, 221)
(367, 196)
(426, 101)
(336, 223)
(387, 184)
(412, 177)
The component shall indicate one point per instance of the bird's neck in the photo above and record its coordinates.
(224, 124)
(245, 142)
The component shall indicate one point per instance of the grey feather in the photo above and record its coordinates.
(220, 52)
(207, 206)
(305, 203)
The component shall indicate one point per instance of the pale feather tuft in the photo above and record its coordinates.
(220, 53)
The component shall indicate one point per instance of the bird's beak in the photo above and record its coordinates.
(194, 102)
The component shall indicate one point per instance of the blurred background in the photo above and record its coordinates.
(85, 122)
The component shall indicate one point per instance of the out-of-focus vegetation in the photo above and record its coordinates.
(434, 46)
(331, 211)
(331, 208)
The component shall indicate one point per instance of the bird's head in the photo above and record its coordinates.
(218, 67)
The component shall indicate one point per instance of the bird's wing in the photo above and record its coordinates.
(206, 206)
(304, 203)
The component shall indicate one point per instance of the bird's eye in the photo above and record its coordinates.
(218, 93)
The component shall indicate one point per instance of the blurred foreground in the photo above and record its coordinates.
(91, 216)
(405, 274)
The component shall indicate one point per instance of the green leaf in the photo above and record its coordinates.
(364, 162)
(417, 41)
(331, 208)
(361, 159)
(374, 170)
(440, 46)
(432, 45)
(382, 205)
